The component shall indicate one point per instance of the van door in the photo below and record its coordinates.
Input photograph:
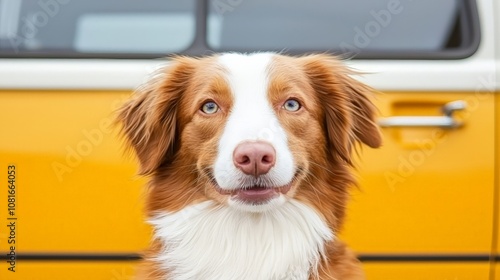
(427, 202)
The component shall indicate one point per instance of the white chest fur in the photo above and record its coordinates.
(209, 242)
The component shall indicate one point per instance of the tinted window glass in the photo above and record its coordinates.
(94, 26)
(341, 25)
(423, 29)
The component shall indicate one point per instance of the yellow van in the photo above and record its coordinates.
(428, 203)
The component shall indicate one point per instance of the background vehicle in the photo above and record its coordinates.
(428, 202)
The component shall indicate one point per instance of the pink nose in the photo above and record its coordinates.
(254, 158)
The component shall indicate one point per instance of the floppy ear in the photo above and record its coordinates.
(149, 118)
(349, 115)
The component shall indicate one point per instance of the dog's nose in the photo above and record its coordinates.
(254, 158)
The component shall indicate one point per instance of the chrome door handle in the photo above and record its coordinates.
(446, 121)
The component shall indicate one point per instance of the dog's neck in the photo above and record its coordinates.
(206, 241)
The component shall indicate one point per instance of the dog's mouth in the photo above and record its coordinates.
(256, 194)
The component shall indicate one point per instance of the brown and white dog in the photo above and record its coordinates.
(249, 159)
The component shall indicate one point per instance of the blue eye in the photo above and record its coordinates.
(209, 107)
(291, 105)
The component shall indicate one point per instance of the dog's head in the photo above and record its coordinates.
(249, 131)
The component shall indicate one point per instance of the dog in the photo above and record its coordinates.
(249, 159)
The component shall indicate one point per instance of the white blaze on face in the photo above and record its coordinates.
(251, 118)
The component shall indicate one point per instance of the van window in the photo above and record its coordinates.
(68, 27)
(342, 26)
(154, 28)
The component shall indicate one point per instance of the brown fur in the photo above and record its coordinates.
(176, 144)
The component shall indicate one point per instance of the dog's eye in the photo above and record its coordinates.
(210, 107)
(291, 105)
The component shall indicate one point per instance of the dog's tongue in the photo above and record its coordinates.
(256, 194)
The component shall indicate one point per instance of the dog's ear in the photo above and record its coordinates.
(349, 115)
(366, 129)
(149, 118)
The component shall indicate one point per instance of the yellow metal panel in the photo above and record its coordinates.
(496, 232)
(74, 189)
(427, 190)
(125, 270)
(70, 271)
(426, 271)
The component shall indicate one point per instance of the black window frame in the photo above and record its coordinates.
(199, 47)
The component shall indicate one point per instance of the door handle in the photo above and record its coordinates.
(445, 121)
